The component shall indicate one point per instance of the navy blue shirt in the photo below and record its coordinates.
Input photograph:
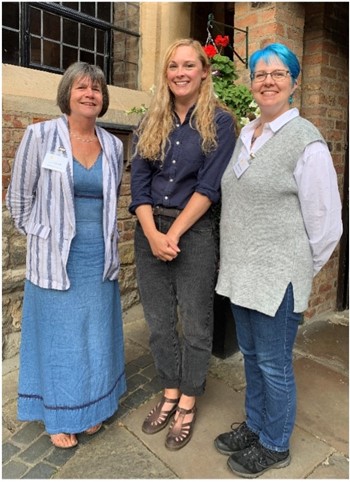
(186, 169)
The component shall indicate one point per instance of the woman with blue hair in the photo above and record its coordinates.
(280, 222)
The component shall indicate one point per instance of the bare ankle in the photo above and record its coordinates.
(187, 402)
(172, 393)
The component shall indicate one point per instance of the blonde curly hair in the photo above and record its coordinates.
(157, 123)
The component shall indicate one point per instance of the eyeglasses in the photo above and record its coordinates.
(277, 75)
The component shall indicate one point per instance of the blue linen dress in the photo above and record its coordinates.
(72, 351)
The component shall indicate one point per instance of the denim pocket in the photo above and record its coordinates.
(204, 224)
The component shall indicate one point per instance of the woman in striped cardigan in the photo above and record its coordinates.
(63, 196)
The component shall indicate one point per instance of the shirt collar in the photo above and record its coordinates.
(274, 125)
(188, 115)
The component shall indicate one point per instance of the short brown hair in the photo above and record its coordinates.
(80, 70)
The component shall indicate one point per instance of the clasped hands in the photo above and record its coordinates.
(164, 246)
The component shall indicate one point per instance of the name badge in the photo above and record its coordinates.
(55, 162)
(240, 167)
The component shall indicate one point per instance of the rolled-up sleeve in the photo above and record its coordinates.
(215, 163)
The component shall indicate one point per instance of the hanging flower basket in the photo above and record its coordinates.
(236, 97)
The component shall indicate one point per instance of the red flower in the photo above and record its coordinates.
(210, 50)
(221, 41)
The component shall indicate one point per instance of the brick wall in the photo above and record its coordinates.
(324, 102)
(268, 22)
(14, 245)
(318, 34)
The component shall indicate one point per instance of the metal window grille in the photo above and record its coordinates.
(52, 35)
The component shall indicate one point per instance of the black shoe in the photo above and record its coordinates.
(239, 439)
(256, 459)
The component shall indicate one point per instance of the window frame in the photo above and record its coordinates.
(70, 14)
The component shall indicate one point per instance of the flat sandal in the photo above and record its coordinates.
(180, 433)
(94, 429)
(157, 419)
(56, 443)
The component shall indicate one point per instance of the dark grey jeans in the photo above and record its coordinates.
(185, 286)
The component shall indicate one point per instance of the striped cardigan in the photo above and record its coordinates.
(41, 202)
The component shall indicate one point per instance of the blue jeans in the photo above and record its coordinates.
(185, 286)
(267, 344)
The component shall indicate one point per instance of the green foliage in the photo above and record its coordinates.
(137, 110)
(225, 66)
(236, 97)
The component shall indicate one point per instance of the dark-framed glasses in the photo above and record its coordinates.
(261, 75)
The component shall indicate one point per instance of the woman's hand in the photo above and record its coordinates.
(162, 246)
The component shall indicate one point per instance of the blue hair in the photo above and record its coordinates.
(283, 53)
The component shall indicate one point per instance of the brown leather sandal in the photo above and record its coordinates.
(180, 433)
(157, 419)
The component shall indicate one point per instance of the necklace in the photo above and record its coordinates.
(255, 136)
(253, 140)
(82, 139)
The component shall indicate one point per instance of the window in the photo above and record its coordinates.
(10, 33)
(52, 35)
(125, 134)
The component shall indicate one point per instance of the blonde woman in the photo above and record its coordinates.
(183, 145)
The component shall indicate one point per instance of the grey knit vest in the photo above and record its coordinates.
(263, 241)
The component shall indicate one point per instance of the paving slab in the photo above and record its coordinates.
(230, 370)
(217, 409)
(13, 470)
(325, 342)
(307, 452)
(9, 386)
(135, 313)
(9, 403)
(334, 467)
(132, 350)
(323, 403)
(116, 454)
(136, 336)
(9, 419)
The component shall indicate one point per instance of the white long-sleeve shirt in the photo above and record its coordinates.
(318, 192)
